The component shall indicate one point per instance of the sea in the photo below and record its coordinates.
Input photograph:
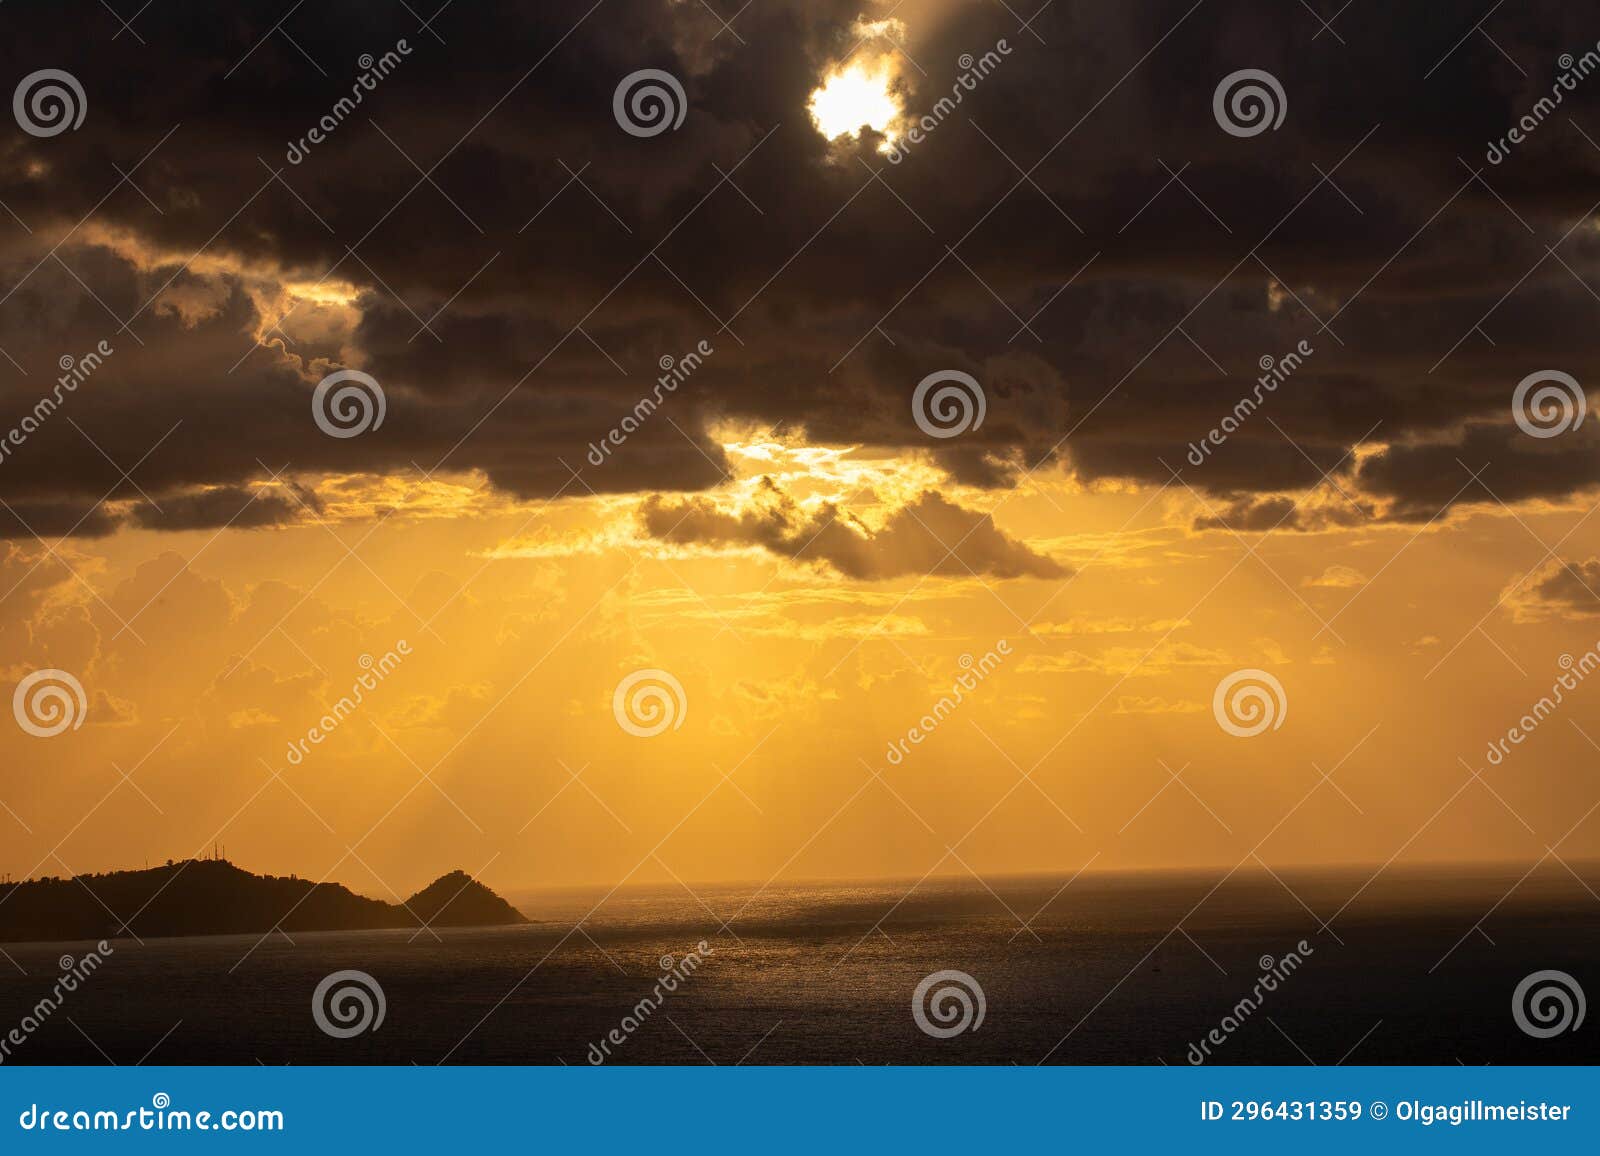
(1359, 966)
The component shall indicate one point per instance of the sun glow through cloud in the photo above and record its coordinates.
(855, 98)
(862, 94)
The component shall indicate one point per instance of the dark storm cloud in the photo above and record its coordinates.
(929, 536)
(516, 302)
(1489, 463)
(52, 519)
(226, 506)
(1568, 588)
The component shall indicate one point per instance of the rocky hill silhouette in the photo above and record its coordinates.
(214, 897)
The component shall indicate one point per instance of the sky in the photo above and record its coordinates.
(808, 440)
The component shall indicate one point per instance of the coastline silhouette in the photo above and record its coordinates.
(215, 897)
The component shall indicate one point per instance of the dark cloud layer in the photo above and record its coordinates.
(515, 303)
(929, 536)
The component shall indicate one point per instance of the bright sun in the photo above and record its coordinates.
(855, 97)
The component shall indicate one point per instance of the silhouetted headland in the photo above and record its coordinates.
(213, 897)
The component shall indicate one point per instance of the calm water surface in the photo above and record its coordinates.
(1093, 972)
